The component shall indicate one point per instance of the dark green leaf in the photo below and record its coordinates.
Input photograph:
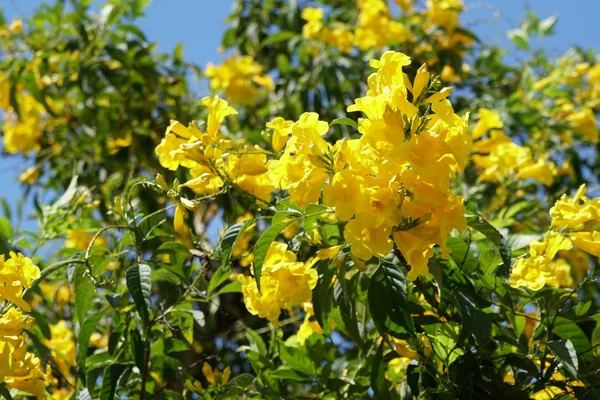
(481, 225)
(139, 283)
(84, 291)
(387, 300)
(378, 381)
(111, 377)
(565, 352)
(83, 340)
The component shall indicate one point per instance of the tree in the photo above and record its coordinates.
(370, 203)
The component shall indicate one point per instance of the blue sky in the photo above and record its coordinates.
(200, 23)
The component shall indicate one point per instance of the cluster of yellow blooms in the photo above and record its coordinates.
(395, 179)
(284, 283)
(240, 78)
(21, 132)
(213, 159)
(376, 27)
(501, 158)
(18, 368)
(577, 223)
(576, 110)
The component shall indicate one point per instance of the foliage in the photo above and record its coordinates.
(370, 203)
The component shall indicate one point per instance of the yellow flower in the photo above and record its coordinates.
(241, 78)
(308, 327)
(575, 213)
(538, 269)
(366, 242)
(284, 283)
(587, 241)
(488, 120)
(281, 130)
(114, 145)
(62, 346)
(214, 376)
(584, 122)
(16, 273)
(329, 252)
(30, 175)
(22, 133)
(444, 13)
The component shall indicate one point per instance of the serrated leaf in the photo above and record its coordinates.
(387, 300)
(345, 121)
(84, 291)
(139, 283)
(280, 221)
(565, 352)
(110, 380)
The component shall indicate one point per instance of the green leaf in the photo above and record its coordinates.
(345, 121)
(233, 287)
(479, 224)
(378, 381)
(583, 308)
(83, 340)
(139, 283)
(444, 337)
(387, 300)
(197, 315)
(546, 26)
(84, 394)
(280, 220)
(84, 291)
(281, 36)
(565, 352)
(4, 392)
(230, 238)
(298, 359)
(519, 37)
(288, 373)
(111, 377)
(568, 330)
(6, 232)
(462, 255)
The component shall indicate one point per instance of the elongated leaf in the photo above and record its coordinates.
(6, 232)
(84, 394)
(111, 377)
(83, 340)
(5, 393)
(139, 284)
(228, 242)
(568, 330)
(278, 37)
(387, 300)
(481, 225)
(280, 221)
(84, 291)
(344, 121)
(378, 381)
(565, 352)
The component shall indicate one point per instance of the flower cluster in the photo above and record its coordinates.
(212, 158)
(241, 78)
(18, 368)
(395, 179)
(376, 28)
(22, 131)
(284, 282)
(577, 223)
(501, 158)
